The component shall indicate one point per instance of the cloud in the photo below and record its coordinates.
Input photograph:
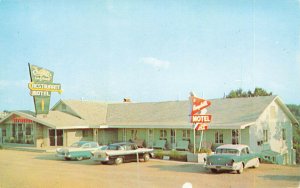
(156, 63)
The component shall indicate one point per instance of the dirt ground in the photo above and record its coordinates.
(29, 169)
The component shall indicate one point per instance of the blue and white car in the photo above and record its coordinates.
(231, 157)
(78, 150)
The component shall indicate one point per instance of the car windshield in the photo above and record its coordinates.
(103, 148)
(227, 151)
(78, 144)
(115, 147)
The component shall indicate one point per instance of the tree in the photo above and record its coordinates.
(295, 109)
(240, 93)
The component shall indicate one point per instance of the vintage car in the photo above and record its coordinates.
(78, 150)
(232, 157)
(118, 153)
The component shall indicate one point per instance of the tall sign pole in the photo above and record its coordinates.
(41, 85)
(198, 115)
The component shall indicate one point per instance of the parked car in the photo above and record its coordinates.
(232, 157)
(118, 153)
(78, 150)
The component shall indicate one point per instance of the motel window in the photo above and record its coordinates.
(265, 133)
(235, 136)
(86, 132)
(28, 129)
(4, 132)
(124, 134)
(219, 137)
(63, 107)
(283, 134)
(14, 129)
(186, 134)
(163, 134)
(133, 134)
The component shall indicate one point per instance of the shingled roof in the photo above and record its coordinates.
(93, 113)
(226, 113)
(233, 113)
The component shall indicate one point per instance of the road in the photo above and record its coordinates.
(29, 169)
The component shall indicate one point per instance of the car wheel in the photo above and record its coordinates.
(214, 170)
(239, 171)
(256, 164)
(146, 157)
(67, 158)
(104, 162)
(79, 158)
(118, 160)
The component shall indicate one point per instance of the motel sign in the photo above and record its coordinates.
(199, 118)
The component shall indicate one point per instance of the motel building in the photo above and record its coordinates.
(263, 123)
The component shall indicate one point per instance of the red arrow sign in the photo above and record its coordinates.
(201, 119)
(198, 104)
(201, 127)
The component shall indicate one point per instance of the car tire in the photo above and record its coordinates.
(118, 160)
(146, 157)
(256, 164)
(214, 170)
(104, 162)
(240, 171)
(67, 158)
(79, 158)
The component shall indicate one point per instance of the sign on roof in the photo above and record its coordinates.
(41, 86)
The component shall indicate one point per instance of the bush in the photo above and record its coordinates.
(175, 155)
(1, 147)
(205, 150)
(159, 154)
(202, 150)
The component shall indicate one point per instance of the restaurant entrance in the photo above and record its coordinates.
(56, 137)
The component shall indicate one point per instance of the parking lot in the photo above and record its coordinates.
(30, 169)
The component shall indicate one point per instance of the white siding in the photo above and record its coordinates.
(273, 119)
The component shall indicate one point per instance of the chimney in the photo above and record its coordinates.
(126, 100)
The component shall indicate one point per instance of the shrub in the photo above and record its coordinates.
(175, 155)
(202, 150)
(205, 150)
(159, 154)
(1, 147)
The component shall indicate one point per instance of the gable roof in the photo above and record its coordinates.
(226, 113)
(152, 113)
(235, 113)
(54, 119)
(93, 113)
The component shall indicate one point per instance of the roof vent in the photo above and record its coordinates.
(126, 100)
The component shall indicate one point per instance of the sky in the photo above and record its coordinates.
(150, 51)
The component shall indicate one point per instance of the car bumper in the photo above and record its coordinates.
(100, 159)
(62, 156)
(222, 167)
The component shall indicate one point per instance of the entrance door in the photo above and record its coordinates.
(173, 138)
(56, 137)
(60, 137)
(1, 136)
(52, 137)
(150, 138)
